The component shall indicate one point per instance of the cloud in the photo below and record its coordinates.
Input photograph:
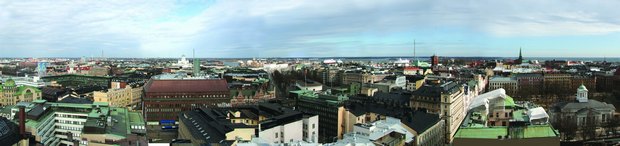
(270, 28)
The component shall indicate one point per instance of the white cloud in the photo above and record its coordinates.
(144, 28)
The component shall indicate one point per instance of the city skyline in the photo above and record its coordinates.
(247, 29)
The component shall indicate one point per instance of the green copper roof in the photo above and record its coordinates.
(582, 87)
(22, 89)
(481, 133)
(509, 102)
(9, 82)
(539, 131)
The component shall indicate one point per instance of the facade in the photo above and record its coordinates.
(562, 84)
(509, 84)
(118, 96)
(414, 82)
(329, 108)
(224, 126)
(529, 84)
(164, 98)
(81, 124)
(11, 93)
(444, 98)
(434, 60)
(494, 118)
(361, 77)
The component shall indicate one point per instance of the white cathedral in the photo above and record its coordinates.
(582, 106)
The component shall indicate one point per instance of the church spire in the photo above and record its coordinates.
(520, 54)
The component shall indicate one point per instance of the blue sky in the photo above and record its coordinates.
(309, 28)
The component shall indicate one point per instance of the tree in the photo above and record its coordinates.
(612, 124)
(589, 126)
(567, 125)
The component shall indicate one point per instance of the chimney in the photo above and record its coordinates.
(22, 121)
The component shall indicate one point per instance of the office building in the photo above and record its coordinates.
(80, 124)
(165, 98)
(329, 108)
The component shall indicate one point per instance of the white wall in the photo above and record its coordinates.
(312, 131)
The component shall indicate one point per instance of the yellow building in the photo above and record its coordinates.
(120, 97)
(11, 94)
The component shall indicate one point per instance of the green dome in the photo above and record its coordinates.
(9, 82)
(582, 87)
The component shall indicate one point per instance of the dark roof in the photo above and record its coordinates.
(76, 100)
(37, 111)
(9, 133)
(420, 121)
(526, 75)
(392, 97)
(429, 90)
(212, 124)
(417, 120)
(413, 78)
(186, 86)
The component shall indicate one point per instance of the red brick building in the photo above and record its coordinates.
(164, 99)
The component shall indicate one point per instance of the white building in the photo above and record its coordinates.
(306, 129)
(182, 63)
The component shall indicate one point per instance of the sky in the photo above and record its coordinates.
(309, 28)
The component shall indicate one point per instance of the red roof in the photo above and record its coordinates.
(410, 68)
(186, 86)
(618, 71)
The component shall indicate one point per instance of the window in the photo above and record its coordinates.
(312, 126)
(276, 135)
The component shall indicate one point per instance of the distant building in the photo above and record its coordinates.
(434, 60)
(183, 63)
(510, 84)
(529, 84)
(11, 93)
(74, 80)
(164, 98)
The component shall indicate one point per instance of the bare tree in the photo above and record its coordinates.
(589, 126)
(612, 124)
(567, 125)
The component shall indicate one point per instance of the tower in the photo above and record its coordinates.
(196, 64)
(434, 60)
(520, 59)
(582, 94)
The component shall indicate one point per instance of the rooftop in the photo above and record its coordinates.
(186, 86)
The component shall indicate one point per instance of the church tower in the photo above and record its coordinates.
(582, 94)
(520, 59)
